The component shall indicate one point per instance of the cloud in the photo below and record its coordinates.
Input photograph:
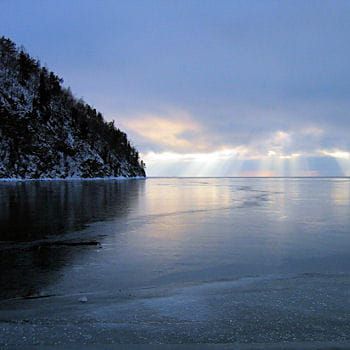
(177, 131)
(271, 79)
(291, 141)
(336, 153)
(172, 131)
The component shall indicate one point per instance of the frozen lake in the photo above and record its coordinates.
(191, 260)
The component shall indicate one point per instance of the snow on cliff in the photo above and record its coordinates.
(45, 132)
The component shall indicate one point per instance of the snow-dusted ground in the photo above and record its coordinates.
(243, 261)
(289, 309)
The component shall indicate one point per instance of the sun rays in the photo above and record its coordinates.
(193, 164)
(230, 162)
(342, 158)
(238, 162)
(177, 144)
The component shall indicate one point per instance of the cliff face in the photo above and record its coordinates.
(45, 132)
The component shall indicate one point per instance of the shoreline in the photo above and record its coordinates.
(118, 178)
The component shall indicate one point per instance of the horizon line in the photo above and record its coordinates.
(250, 177)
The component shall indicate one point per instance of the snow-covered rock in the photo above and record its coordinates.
(45, 132)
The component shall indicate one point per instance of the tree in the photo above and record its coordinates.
(44, 94)
(27, 66)
(55, 84)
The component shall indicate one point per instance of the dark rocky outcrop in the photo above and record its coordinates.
(45, 132)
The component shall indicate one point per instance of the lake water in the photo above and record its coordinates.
(180, 260)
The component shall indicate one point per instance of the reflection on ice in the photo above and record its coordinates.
(178, 254)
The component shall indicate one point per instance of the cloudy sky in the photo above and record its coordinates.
(205, 88)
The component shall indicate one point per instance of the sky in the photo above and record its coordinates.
(205, 88)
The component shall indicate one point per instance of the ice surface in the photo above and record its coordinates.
(244, 261)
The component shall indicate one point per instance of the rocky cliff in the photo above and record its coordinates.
(45, 132)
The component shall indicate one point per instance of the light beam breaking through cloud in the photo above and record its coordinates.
(209, 88)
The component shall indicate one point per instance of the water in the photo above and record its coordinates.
(181, 260)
